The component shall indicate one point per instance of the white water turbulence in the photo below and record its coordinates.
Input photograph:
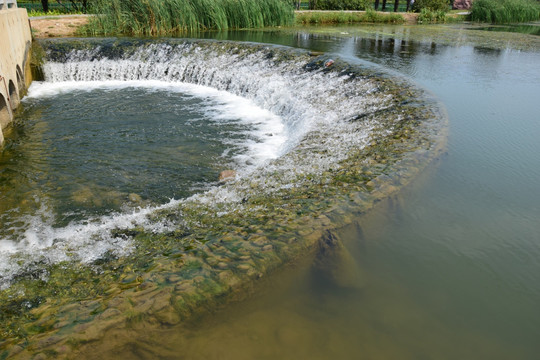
(43, 244)
(303, 119)
(37, 241)
(265, 139)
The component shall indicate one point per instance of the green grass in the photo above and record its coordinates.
(427, 16)
(505, 11)
(162, 17)
(33, 12)
(341, 17)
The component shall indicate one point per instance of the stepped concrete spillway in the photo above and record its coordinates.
(15, 44)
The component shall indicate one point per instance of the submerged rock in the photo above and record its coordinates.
(227, 175)
(337, 264)
(135, 198)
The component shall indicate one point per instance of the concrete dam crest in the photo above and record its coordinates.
(15, 44)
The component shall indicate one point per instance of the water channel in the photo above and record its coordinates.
(446, 269)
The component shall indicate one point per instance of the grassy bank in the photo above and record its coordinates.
(345, 17)
(427, 16)
(505, 11)
(140, 17)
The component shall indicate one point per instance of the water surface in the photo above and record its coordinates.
(450, 266)
(446, 269)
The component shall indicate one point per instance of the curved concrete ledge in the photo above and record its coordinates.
(15, 42)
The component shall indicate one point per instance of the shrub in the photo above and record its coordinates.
(341, 4)
(432, 5)
(373, 16)
(340, 17)
(505, 11)
(431, 17)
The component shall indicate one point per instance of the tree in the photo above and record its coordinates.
(76, 5)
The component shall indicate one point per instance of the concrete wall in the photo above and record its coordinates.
(15, 76)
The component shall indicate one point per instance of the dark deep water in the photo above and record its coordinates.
(155, 141)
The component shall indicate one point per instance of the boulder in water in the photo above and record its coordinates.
(227, 175)
(337, 264)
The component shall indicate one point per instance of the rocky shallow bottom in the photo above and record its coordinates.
(218, 253)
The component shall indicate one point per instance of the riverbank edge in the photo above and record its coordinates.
(70, 25)
(15, 76)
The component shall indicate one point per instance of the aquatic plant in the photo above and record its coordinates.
(55, 12)
(139, 17)
(341, 17)
(505, 11)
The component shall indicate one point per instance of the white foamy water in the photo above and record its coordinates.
(84, 241)
(300, 121)
(267, 132)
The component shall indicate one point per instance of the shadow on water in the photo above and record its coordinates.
(522, 29)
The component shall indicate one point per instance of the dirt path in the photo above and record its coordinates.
(58, 26)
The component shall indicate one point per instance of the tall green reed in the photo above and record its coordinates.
(505, 11)
(342, 17)
(162, 17)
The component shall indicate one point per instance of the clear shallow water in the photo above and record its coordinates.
(87, 158)
(450, 265)
(153, 157)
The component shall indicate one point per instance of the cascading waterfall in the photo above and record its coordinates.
(317, 108)
(322, 131)
(307, 101)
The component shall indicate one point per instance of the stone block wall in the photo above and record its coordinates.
(15, 45)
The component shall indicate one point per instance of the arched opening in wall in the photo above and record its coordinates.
(13, 95)
(20, 81)
(5, 116)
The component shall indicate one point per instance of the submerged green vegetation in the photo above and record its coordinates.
(505, 11)
(139, 17)
(341, 17)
